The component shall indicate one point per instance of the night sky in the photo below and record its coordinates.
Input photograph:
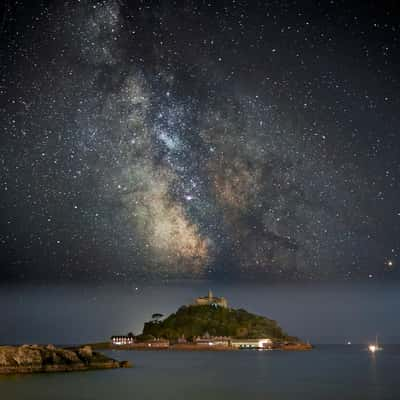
(202, 139)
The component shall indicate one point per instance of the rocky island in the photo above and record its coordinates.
(209, 324)
(35, 358)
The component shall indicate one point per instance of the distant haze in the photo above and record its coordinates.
(321, 313)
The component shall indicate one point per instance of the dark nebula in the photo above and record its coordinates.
(199, 139)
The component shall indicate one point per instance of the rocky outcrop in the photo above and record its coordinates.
(296, 346)
(35, 358)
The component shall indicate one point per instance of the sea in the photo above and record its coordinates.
(337, 372)
(321, 313)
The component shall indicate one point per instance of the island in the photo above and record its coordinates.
(35, 358)
(208, 324)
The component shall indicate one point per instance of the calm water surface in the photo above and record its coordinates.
(328, 372)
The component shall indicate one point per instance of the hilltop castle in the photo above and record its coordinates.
(210, 300)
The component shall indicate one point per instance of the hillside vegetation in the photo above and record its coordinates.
(191, 321)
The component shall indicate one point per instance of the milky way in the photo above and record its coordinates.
(211, 141)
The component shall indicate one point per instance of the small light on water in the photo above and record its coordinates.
(372, 348)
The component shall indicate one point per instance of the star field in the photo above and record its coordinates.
(199, 139)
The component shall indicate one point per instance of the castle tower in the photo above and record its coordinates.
(211, 300)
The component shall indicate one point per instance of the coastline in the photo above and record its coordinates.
(195, 347)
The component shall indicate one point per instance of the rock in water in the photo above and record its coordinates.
(34, 358)
(85, 353)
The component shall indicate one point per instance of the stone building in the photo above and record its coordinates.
(208, 340)
(211, 300)
(259, 343)
(122, 340)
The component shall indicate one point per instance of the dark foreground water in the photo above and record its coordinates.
(328, 372)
